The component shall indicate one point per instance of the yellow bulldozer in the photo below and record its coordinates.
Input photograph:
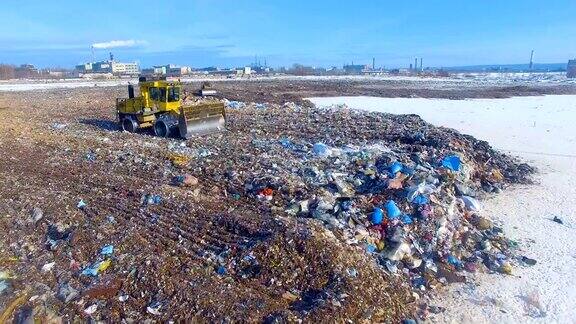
(163, 106)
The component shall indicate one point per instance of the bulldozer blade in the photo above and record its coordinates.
(201, 119)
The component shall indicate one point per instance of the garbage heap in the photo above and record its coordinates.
(291, 214)
(404, 191)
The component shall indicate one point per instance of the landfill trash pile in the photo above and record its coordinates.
(291, 214)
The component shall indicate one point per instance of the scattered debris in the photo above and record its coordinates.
(558, 220)
(532, 304)
(48, 266)
(67, 293)
(37, 214)
(151, 199)
(57, 233)
(528, 261)
(3, 286)
(452, 162)
(81, 204)
(59, 126)
(96, 268)
(91, 309)
(185, 180)
(107, 250)
(154, 308)
(179, 160)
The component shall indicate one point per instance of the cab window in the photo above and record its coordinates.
(173, 94)
(158, 94)
(155, 94)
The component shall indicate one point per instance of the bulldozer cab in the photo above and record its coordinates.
(165, 94)
(161, 95)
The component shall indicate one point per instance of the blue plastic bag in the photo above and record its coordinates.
(454, 261)
(392, 210)
(408, 170)
(419, 281)
(320, 149)
(106, 250)
(286, 142)
(377, 216)
(406, 219)
(420, 200)
(81, 204)
(370, 248)
(395, 167)
(221, 270)
(346, 205)
(451, 162)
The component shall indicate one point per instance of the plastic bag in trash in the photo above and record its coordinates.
(107, 250)
(392, 210)
(452, 162)
(422, 189)
(377, 216)
(420, 200)
(320, 149)
(471, 204)
(395, 167)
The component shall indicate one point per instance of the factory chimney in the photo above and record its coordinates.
(531, 60)
(373, 63)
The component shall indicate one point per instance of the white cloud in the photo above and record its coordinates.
(118, 43)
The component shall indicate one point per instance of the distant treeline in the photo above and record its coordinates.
(7, 72)
(28, 71)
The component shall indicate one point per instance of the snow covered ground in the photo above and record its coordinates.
(516, 77)
(541, 131)
(480, 79)
(26, 85)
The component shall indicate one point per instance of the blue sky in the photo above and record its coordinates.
(320, 33)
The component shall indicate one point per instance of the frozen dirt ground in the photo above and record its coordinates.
(539, 130)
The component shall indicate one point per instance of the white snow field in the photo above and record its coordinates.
(470, 79)
(541, 131)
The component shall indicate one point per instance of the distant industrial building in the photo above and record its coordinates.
(26, 71)
(571, 69)
(109, 66)
(370, 71)
(167, 70)
(124, 68)
(354, 69)
(247, 70)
